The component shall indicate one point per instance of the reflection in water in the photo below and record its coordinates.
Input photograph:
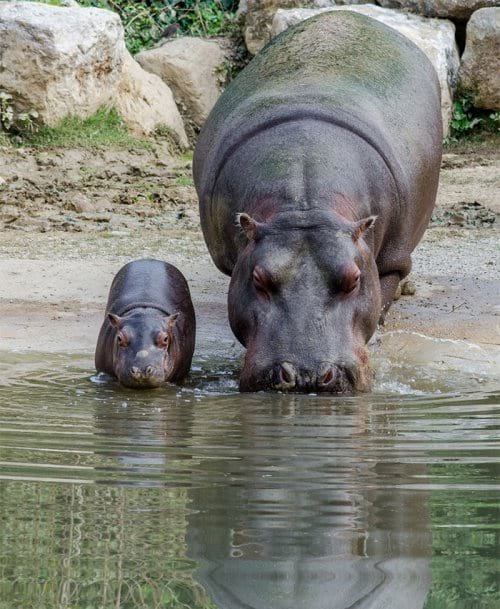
(316, 527)
(203, 498)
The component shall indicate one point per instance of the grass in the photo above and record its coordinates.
(103, 129)
(4, 139)
(52, 2)
(480, 142)
(183, 181)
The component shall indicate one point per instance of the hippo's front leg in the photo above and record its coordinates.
(388, 287)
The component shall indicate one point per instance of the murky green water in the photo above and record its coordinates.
(201, 497)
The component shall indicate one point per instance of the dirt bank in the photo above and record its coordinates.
(71, 218)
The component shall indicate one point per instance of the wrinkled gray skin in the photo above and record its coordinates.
(148, 334)
(317, 173)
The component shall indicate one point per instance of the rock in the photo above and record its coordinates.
(451, 9)
(435, 37)
(146, 103)
(190, 67)
(2, 181)
(480, 68)
(408, 287)
(59, 61)
(242, 7)
(464, 214)
(79, 202)
(259, 16)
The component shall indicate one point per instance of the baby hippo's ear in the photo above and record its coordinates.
(171, 321)
(248, 225)
(362, 226)
(115, 320)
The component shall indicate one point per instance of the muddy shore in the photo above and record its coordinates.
(70, 218)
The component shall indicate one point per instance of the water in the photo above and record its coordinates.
(203, 498)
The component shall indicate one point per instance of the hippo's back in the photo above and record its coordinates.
(149, 282)
(341, 67)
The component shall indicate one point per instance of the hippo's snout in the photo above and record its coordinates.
(143, 377)
(328, 378)
(144, 373)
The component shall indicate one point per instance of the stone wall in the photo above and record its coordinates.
(64, 61)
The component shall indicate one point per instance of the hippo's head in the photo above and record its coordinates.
(305, 299)
(146, 348)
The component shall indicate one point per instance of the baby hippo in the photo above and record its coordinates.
(148, 333)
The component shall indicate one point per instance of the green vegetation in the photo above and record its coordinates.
(464, 544)
(104, 128)
(12, 121)
(92, 549)
(52, 2)
(147, 22)
(184, 181)
(468, 120)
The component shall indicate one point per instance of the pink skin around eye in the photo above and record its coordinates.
(162, 340)
(350, 279)
(261, 280)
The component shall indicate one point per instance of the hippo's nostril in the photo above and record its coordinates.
(149, 371)
(287, 376)
(327, 377)
(134, 371)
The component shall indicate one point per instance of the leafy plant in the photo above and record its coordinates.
(466, 119)
(6, 111)
(12, 122)
(463, 119)
(147, 22)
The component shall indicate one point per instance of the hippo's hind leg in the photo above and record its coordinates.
(389, 284)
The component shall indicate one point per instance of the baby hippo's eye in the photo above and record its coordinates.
(162, 340)
(350, 280)
(122, 339)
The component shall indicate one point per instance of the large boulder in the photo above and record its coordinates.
(259, 16)
(146, 104)
(193, 68)
(435, 37)
(451, 9)
(59, 61)
(480, 68)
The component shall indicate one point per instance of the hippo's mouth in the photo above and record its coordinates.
(335, 379)
(138, 381)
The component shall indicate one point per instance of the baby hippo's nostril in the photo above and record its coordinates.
(135, 372)
(287, 376)
(149, 371)
(327, 377)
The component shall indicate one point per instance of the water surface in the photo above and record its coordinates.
(203, 498)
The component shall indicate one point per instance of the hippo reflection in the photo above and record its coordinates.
(314, 530)
(283, 514)
(316, 173)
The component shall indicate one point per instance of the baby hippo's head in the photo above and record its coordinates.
(148, 348)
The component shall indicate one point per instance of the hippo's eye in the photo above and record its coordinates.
(261, 280)
(122, 339)
(350, 281)
(163, 340)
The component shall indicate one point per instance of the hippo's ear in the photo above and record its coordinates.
(170, 334)
(248, 225)
(362, 226)
(171, 320)
(115, 320)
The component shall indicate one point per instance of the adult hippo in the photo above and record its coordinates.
(317, 173)
(148, 333)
